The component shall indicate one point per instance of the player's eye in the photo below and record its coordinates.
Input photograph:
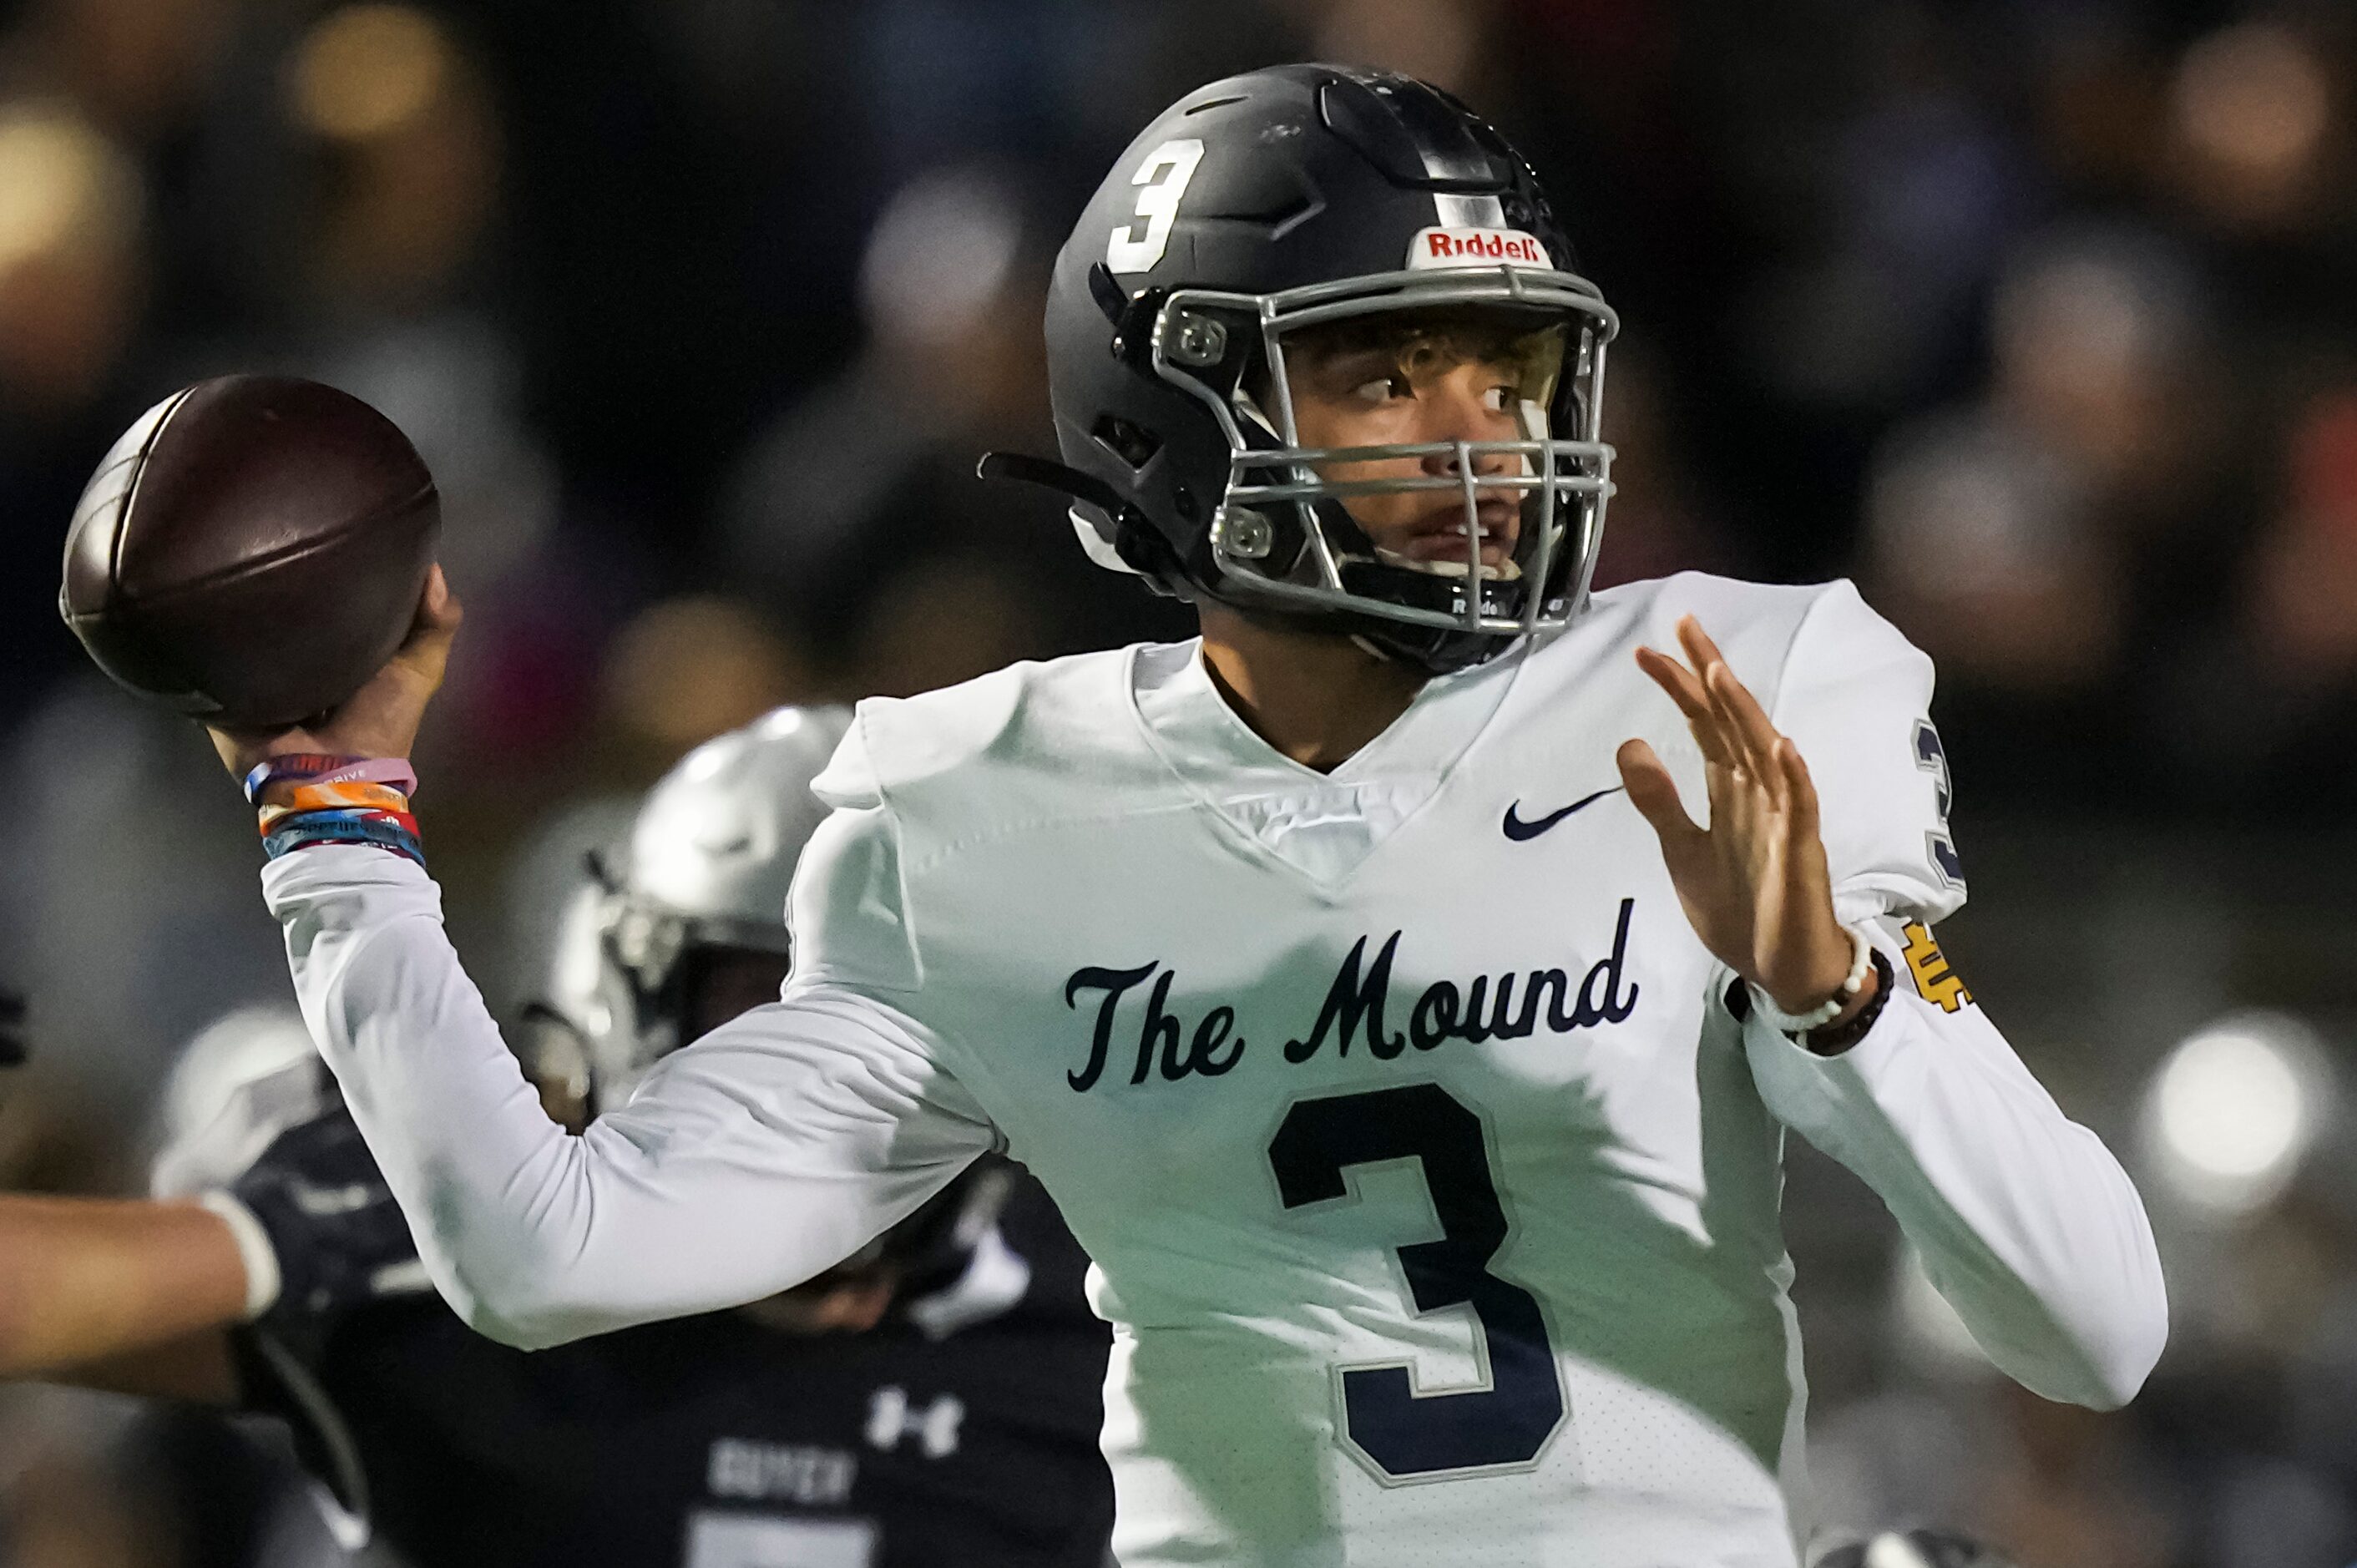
(1382, 388)
(1500, 398)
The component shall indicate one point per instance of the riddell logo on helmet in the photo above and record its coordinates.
(1475, 248)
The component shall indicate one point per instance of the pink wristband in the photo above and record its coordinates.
(318, 767)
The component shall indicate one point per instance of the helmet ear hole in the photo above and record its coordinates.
(1107, 290)
(1132, 443)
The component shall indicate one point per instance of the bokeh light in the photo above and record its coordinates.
(62, 184)
(367, 72)
(2233, 1111)
(2253, 106)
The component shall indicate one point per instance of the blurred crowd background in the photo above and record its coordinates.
(2037, 316)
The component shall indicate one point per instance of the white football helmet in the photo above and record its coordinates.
(243, 1079)
(704, 883)
(710, 857)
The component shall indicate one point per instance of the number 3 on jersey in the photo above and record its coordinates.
(1432, 1436)
(1163, 177)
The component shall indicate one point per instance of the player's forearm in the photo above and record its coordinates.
(82, 1280)
(2024, 1221)
(484, 1177)
(742, 1172)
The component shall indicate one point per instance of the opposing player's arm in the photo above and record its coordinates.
(2024, 1221)
(139, 1296)
(748, 1162)
(107, 1293)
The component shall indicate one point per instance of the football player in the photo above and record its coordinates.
(1411, 1062)
(933, 1399)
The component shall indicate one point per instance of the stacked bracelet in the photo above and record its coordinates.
(336, 800)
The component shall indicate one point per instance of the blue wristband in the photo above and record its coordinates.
(302, 830)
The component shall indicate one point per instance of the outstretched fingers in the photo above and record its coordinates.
(1751, 736)
(1694, 700)
(1728, 723)
(1656, 795)
(1685, 689)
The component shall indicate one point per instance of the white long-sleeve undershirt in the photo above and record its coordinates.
(2024, 1221)
(764, 1152)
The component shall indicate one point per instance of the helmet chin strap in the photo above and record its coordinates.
(1367, 634)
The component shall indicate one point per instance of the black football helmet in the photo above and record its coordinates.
(1285, 199)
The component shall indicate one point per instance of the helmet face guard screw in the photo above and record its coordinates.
(1244, 534)
(1198, 340)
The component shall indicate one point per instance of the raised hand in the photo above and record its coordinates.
(1754, 883)
(381, 718)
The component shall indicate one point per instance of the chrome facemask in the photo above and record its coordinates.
(1283, 534)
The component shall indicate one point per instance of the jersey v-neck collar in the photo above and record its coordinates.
(1320, 826)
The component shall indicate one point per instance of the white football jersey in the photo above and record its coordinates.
(1431, 1182)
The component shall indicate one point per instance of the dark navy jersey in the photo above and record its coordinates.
(716, 1441)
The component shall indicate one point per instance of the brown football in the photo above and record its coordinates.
(251, 550)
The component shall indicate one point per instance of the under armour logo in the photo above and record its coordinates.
(890, 1418)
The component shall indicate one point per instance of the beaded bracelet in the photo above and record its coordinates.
(1832, 1039)
(1798, 1023)
(1825, 1039)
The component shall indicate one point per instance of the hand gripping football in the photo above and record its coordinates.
(251, 550)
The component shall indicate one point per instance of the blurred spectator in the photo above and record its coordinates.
(129, 856)
(407, 155)
(70, 261)
(2255, 710)
(1439, 40)
(2001, 532)
(140, 67)
(686, 669)
(2258, 135)
(1928, 189)
(858, 514)
(72, 284)
(1660, 520)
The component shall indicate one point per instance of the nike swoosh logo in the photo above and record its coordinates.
(1519, 830)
